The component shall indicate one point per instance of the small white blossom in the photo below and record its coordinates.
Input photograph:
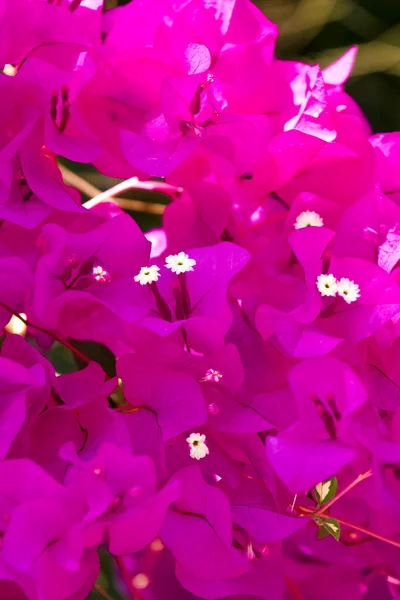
(197, 445)
(348, 290)
(147, 275)
(308, 218)
(179, 263)
(17, 325)
(101, 275)
(211, 375)
(327, 285)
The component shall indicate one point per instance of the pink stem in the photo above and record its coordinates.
(134, 183)
(303, 510)
(52, 334)
(293, 589)
(127, 579)
(356, 481)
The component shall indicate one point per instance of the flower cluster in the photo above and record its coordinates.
(328, 286)
(256, 338)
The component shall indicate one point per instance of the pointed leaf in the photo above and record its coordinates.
(326, 490)
(322, 533)
(331, 525)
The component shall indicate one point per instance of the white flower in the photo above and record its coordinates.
(197, 445)
(308, 218)
(349, 290)
(147, 275)
(327, 285)
(101, 275)
(179, 263)
(211, 375)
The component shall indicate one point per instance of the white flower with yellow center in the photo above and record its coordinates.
(197, 445)
(348, 290)
(101, 275)
(179, 263)
(147, 275)
(327, 285)
(211, 375)
(308, 218)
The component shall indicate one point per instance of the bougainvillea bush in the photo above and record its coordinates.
(243, 440)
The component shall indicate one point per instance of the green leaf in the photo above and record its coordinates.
(330, 525)
(62, 359)
(97, 352)
(326, 490)
(322, 533)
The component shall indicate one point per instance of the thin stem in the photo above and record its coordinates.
(377, 536)
(68, 345)
(71, 178)
(134, 183)
(52, 334)
(56, 337)
(293, 589)
(162, 306)
(356, 481)
(102, 592)
(94, 193)
(134, 594)
(303, 510)
(185, 339)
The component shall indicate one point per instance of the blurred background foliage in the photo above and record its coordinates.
(318, 31)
